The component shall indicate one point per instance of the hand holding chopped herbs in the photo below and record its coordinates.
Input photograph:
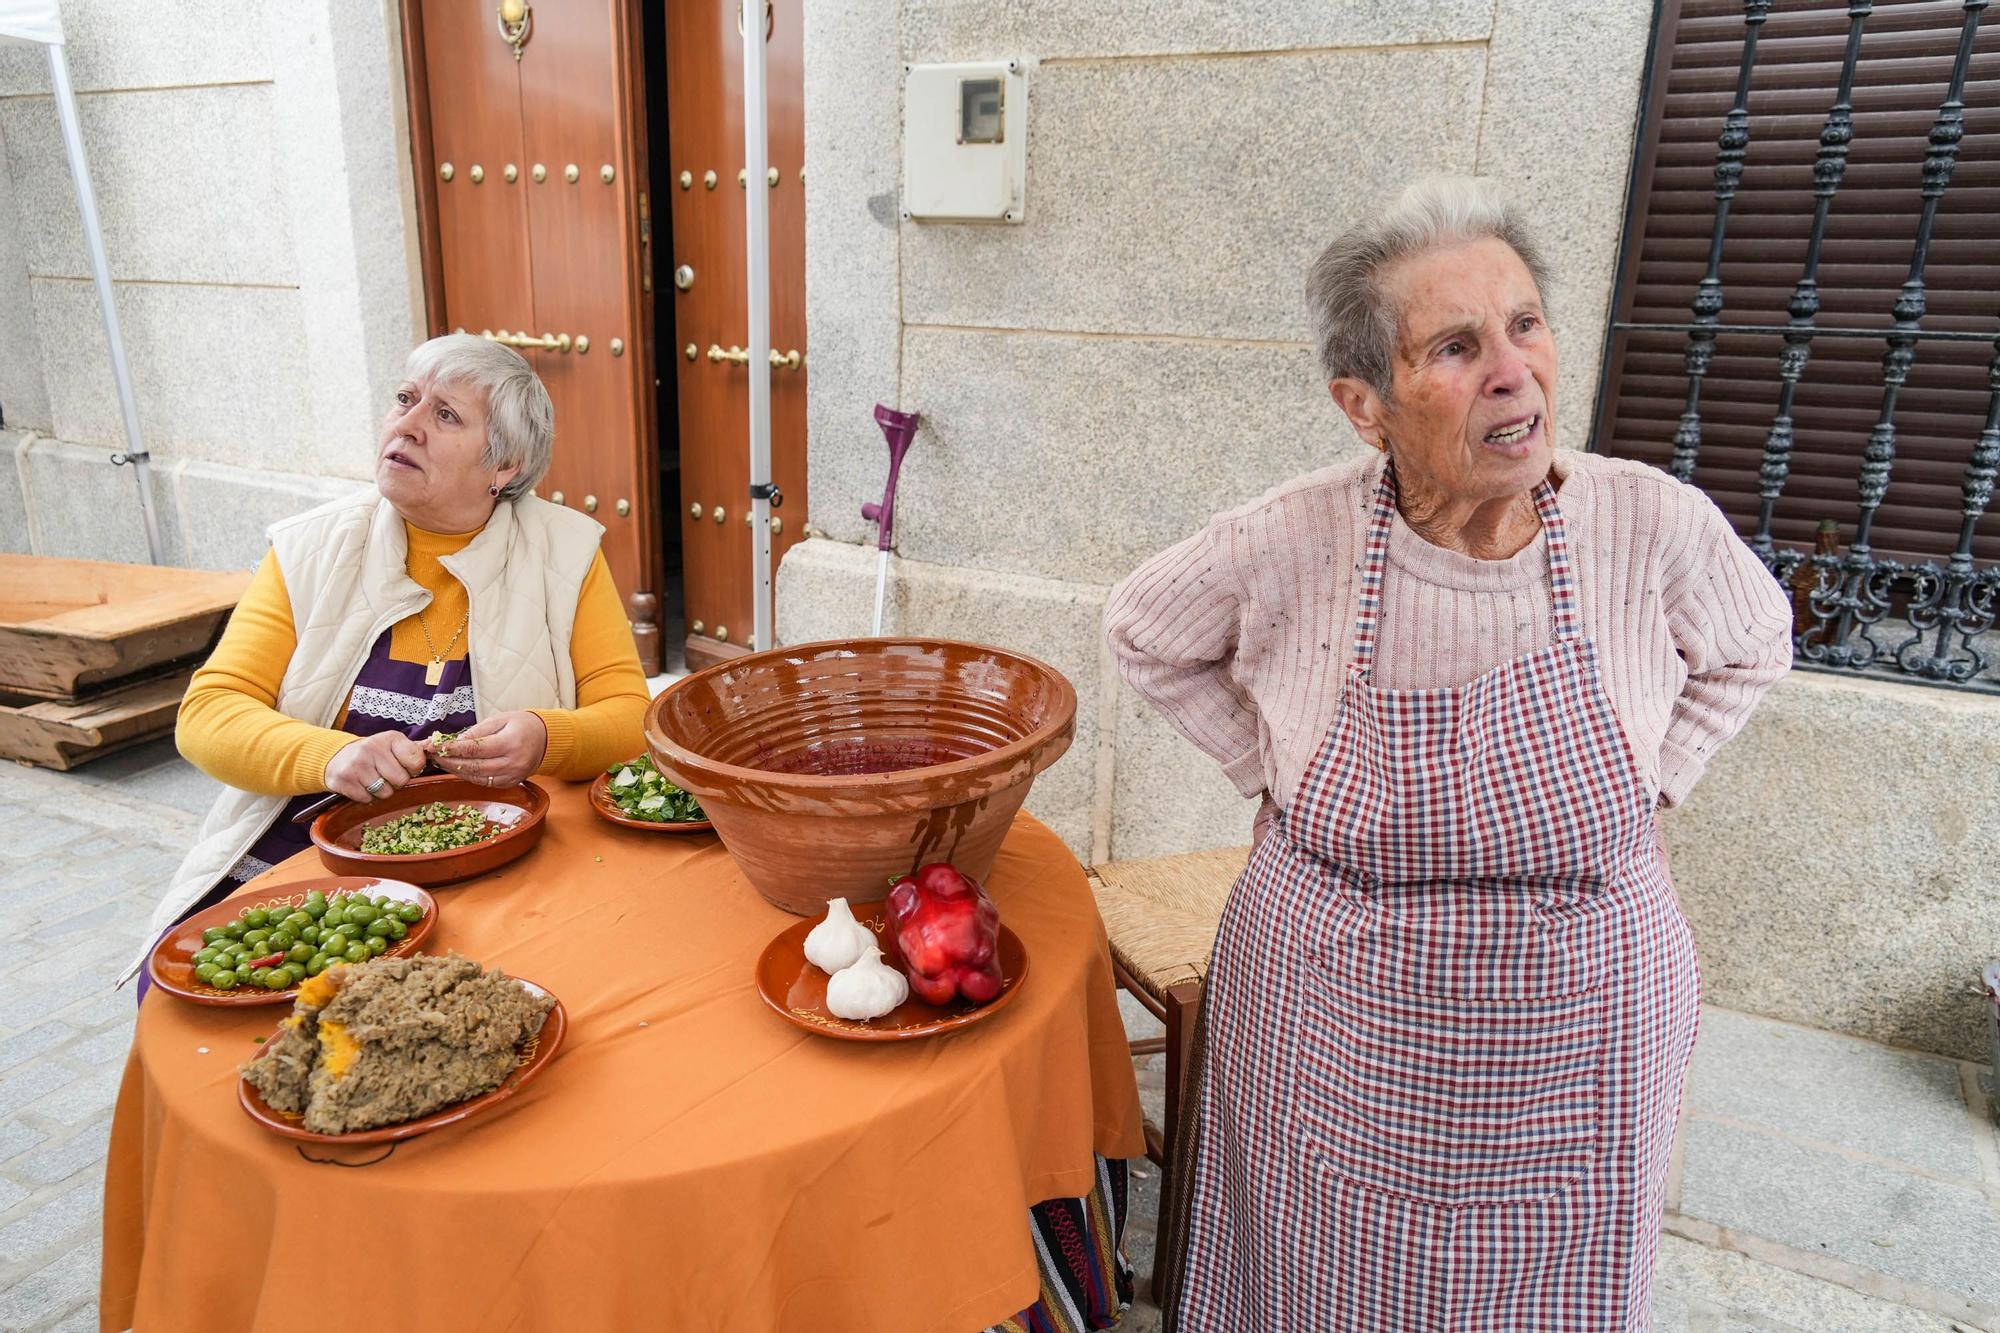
(436, 827)
(643, 792)
(276, 948)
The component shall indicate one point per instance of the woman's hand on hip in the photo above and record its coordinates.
(374, 766)
(496, 752)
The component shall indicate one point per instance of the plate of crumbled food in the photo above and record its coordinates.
(399, 1047)
(634, 794)
(435, 830)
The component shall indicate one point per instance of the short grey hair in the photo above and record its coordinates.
(1354, 323)
(520, 419)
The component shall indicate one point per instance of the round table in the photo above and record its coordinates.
(688, 1161)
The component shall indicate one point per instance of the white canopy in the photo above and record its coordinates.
(34, 21)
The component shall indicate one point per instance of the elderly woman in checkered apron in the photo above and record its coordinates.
(1452, 999)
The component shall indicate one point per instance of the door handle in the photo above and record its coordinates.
(548, 342)
(791, 360)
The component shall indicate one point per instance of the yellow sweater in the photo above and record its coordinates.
(229, 726)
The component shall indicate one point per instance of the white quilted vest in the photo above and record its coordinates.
(344, 567)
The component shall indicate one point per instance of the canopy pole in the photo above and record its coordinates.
(757, 236)
(100, 270)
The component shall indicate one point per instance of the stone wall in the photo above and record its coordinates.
(251, 168)
(1096, 382)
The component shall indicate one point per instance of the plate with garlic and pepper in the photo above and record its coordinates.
(931, 957)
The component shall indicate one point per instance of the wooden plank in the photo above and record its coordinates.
(78, 624)
(60, 735)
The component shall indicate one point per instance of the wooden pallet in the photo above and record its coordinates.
(55, 733)
(70, 628)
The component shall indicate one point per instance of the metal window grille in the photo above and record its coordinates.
(1785, 414)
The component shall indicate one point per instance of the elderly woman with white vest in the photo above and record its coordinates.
(447, 599)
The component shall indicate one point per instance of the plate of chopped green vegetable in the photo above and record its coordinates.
(638, 795)
(432, 831)
(259, 947)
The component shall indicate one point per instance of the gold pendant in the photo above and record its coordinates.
(434, 672)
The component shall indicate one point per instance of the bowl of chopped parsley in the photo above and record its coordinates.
(435, 830)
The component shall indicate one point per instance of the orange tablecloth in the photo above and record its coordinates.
(688, 1162)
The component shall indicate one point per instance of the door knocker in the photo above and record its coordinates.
(769, 22)
(515, 23)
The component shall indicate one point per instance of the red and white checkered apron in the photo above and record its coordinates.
(1450, 1010)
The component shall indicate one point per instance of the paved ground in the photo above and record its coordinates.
(1824, 1184)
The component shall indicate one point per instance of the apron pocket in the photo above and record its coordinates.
(1453, 1103)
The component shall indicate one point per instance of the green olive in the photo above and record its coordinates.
(282, 939)
(363, 912)
(310, 935)
(206, 955)
(297, 922)
(212, 934)
(276, 978)
(383, 901)
(358, 953)
(333, 917)
(223, 980)
(256, 936)
(300, 953)
(397, 930)
(256, 916)
(315, 964)
(206, 973)
(234, 930)
(381, 926)
(410, 913)
(377, 946)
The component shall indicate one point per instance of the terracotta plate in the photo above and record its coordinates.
(606, 808)
(520, 810)
(535, 1053)
(172, 960)
(797, 990)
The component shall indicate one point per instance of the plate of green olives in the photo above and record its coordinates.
(257, 948)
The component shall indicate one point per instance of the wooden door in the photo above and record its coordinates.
(530, 164)
(705, 278)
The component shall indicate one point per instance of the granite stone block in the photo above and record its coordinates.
(24, 398)
(1079, 458)
(1834, 881)
(1570, 185)
(853, 156)
(16, 534)
(225, 511)
(1698, 1289)
(966, 30)
(83, 507)
(1898, 1105)
(826, 590)
(1167, 796)
(185, 179)
(1189, 196)
(179, 43)
(231, 395)
(1913, 1227)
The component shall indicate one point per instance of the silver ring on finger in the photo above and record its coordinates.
(375, 788)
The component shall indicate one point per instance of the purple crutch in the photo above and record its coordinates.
(899, 428)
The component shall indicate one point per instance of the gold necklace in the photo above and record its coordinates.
(435, 671)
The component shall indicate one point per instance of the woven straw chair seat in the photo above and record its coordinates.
(1161, 914)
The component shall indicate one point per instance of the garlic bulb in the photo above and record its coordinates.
(866, 989)
(837, 941)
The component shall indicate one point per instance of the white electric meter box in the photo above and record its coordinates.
(965, 142)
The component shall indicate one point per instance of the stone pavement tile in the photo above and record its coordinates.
(86, 1099)
(35, 834)
(67, 1220)
(26, 1006)
(1699, 1289)
(16, 1138)
(35, 1041)
(179, 785)
(46, 1295)
(83, 1320)
(1840, 1090)
(107, 1047)
(10, 1194)
(1912, 1227)
(83, 1150)
(35, 1081)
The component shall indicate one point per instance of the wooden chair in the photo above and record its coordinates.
(1161, 915)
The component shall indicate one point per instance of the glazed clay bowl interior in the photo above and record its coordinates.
(828, 768)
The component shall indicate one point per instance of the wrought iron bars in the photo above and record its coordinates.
(1828, 168)
(1731, 148)
(1862, 598)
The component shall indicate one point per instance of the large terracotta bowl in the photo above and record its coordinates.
(828, 768)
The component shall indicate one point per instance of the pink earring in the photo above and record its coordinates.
(493, 490)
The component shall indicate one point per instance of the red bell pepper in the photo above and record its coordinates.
(945, 932)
